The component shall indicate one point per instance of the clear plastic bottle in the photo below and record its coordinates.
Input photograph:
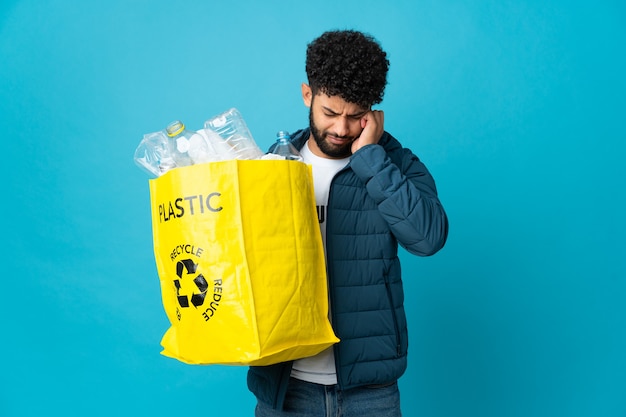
(178, 142)
(236, 140)
(285, 148)
(153, 154)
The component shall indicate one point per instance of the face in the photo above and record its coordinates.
(334, 123)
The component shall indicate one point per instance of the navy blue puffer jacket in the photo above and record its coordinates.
(384, 197)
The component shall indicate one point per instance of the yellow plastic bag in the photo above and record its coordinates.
(240, 262)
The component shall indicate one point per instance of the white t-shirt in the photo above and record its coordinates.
(319, 369)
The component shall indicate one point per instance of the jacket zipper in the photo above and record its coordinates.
(331, 291)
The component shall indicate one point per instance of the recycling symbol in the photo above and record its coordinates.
(185, 270)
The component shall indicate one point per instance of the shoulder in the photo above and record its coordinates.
(299, 137)
(391, 144)
(399, 154)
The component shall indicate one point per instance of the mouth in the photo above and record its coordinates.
(337, 140)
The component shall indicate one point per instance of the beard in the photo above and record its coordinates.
(328, 148)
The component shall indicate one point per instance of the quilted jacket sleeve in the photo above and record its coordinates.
(406, 196)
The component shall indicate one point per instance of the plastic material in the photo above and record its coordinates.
(187, 147)
(224, 137)
(153, 154)
(236, 140)
(285, 148)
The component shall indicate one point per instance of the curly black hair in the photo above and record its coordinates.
(349, 64)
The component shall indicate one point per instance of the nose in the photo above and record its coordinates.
(342, 127)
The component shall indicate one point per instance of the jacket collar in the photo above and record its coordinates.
(300, 137)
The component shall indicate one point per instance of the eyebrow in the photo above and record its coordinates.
(331, 111)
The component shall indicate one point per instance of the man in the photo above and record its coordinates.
(372, 194)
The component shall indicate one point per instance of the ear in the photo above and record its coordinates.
(307, 94)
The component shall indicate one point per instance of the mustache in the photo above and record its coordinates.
(326, 134)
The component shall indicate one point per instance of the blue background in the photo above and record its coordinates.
(517, 108)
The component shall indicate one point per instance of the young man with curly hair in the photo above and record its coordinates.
(372, 195)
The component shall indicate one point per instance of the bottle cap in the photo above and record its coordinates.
(282, 134)
(175, 128)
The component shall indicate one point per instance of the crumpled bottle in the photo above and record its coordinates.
(230, 136)
(285, 148)
(153, 154)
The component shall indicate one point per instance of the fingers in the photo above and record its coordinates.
(373, 124)
(373, 127)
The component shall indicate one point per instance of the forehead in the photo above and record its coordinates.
(337, 104)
